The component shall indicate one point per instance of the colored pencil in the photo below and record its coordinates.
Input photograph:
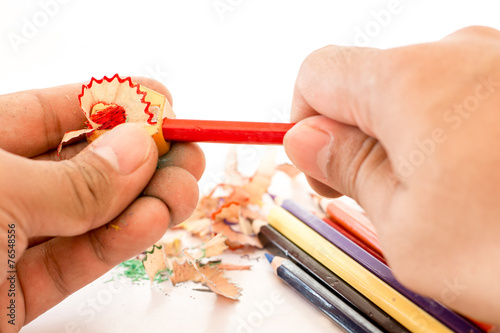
(355, 240)
(383, 272)
(484, 326)
(278, 243)
(385, 297)
(188, 130)
(355, 223)
(328, 303)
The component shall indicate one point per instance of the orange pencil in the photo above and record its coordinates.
(355, 223)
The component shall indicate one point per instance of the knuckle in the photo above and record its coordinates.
(319, 64)
(358, 168)
(189, 205)
(179, 200)
(88, 186)
(475, 31)
(98, 247)
(51, 122)
(411, 67)
(401, 60)
(328, 56)
(54, 270)
(315, 62)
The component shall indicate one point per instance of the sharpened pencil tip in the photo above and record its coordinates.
(269, 257)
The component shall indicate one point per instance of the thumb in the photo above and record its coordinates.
(46, 198)
(340, 158)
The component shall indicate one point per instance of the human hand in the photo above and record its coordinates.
(75, 219)
(411, 134)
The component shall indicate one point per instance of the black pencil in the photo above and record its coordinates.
(274, 240)
(324, 300)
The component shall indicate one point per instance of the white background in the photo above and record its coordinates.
(228, 59)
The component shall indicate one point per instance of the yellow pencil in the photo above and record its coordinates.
(396, 305)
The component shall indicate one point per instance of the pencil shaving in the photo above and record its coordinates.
(214, 247)
(233, 212)
(156, 258)
(226, 219)
(154, 262)
(214, 279)
(235, 239)
(109, 102)
(185, 265)
(231, 267)
(289, 169)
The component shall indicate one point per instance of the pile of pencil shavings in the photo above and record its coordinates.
(226, 221)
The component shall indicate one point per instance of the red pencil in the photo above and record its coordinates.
(188, 130)
(356, 223)
(346, 233)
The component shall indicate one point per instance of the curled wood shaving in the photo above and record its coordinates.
(289, 169)
(199, 227)
(238, 238)
(232, 215)
(215, 246)
(210, 276)
(228, 212)
(212, 248)
(154, 262)
(231, 267)
(173, 248)
(214, 279)
(184, 272)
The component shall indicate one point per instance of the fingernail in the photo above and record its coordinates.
(309, 149)
(126, 147)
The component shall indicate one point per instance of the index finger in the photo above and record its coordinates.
(34, 121)
(337, 82)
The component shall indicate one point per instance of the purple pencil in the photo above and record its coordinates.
(443, 314)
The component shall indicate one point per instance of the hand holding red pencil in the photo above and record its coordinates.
(411, 133)
(65, 223)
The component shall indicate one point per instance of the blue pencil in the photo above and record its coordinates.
(280, 245)
(436, 309)
(333, 307)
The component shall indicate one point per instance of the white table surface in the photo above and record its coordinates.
(266, 305)
(221, 59)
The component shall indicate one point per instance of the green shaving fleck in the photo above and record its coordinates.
(210, 263)
(133, 269)
(153, 248)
